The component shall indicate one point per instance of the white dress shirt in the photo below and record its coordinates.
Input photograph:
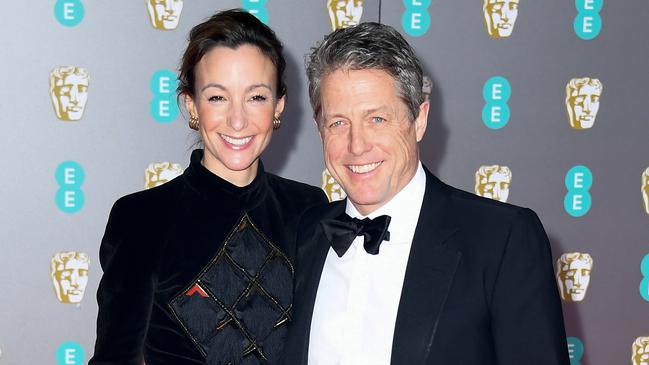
(358, 296)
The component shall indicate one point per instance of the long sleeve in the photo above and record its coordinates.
(125, 293)
(527, 320)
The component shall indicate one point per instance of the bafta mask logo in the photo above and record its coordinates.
(164, 14)
(493, 182)
(69, 91)
(70, 276)
(582, 101)
(427, 87)
(573, 275)
(331, 187)
(344, 13)
(158, 173)
(645, 189)
(640, 352)
(500, 17)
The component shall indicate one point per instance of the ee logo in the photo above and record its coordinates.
(70, 353)
(164, 106)
(575, 350)
(579, 180)
(496, 93)
(415, 19)
(257, 8)
(69, 12)
(70, 177)
(588, 22)
(644, 284)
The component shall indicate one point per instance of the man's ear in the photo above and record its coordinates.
(422, 120)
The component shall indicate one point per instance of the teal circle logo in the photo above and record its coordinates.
(70, 353)
(586, 6)
(69, 197)
(587, 26)
(575, 350)
(164, 105)
(257, 8)
(578, 181)
(415, 19)
(579, 178)
(69, 12)
(496, 93)
(644, 284)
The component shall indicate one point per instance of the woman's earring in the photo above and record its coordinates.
(276, 123)
(193, 122)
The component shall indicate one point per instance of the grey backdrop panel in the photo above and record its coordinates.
(117, 138)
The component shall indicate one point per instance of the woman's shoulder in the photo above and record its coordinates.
(296, 190)
(151, 202)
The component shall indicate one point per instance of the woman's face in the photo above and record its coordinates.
(234, 100)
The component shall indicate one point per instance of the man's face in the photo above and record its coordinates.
(575, 277)
(585, 104)
(495, 186)
(370, 143)
(645, 190)
(70, 280)
(160, 173)
(501, 17)
(70, 96)
(344, 13)
(641, 353)
(165, 14)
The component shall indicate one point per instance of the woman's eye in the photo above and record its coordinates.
(378, 119)
(215, 98)
(258, 98)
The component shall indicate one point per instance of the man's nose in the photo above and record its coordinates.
(358, 141)
(74, 279)
(74, 95)
(169, 5)
(237, 119)
(578, 279)
(587, 105)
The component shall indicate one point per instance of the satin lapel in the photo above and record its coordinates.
(429, 276)
(308, 278)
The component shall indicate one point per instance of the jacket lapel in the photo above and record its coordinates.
(429, 276)
(311, 255)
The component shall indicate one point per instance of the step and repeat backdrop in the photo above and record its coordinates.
(536, 103)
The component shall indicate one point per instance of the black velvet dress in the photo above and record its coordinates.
(200, 271)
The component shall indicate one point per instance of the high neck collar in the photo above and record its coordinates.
(228, 195)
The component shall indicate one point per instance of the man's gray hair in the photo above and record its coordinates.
(367, 46)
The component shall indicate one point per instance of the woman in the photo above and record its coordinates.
(199, 270)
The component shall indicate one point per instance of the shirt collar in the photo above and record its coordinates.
(403, 208)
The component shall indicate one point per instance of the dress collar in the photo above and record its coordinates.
(229, 196)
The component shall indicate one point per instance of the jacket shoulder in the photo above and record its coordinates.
(306, 194)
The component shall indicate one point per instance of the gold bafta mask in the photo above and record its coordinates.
(493, 182)
(69, 91)
(331, 187)
(158, 173)
(573, 275)
(582, 101)
(500, 17)
(427, 87)
(164, 14)
(645, 189)
(344, 13)
(640, 351)
(69, 276)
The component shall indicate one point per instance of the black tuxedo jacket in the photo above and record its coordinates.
(479, 286)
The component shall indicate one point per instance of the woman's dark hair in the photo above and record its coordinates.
(230, 28)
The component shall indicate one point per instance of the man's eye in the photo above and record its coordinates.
(336, 123)
(258, 98)
(378, 119)
(594, 98)
(215, 98)
(513, 6)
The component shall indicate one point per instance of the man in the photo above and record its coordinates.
(164, 14)
(458, 279)
(573, 275)
(582, 101)
(344, 13)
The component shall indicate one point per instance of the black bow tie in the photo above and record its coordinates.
(342, 230)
